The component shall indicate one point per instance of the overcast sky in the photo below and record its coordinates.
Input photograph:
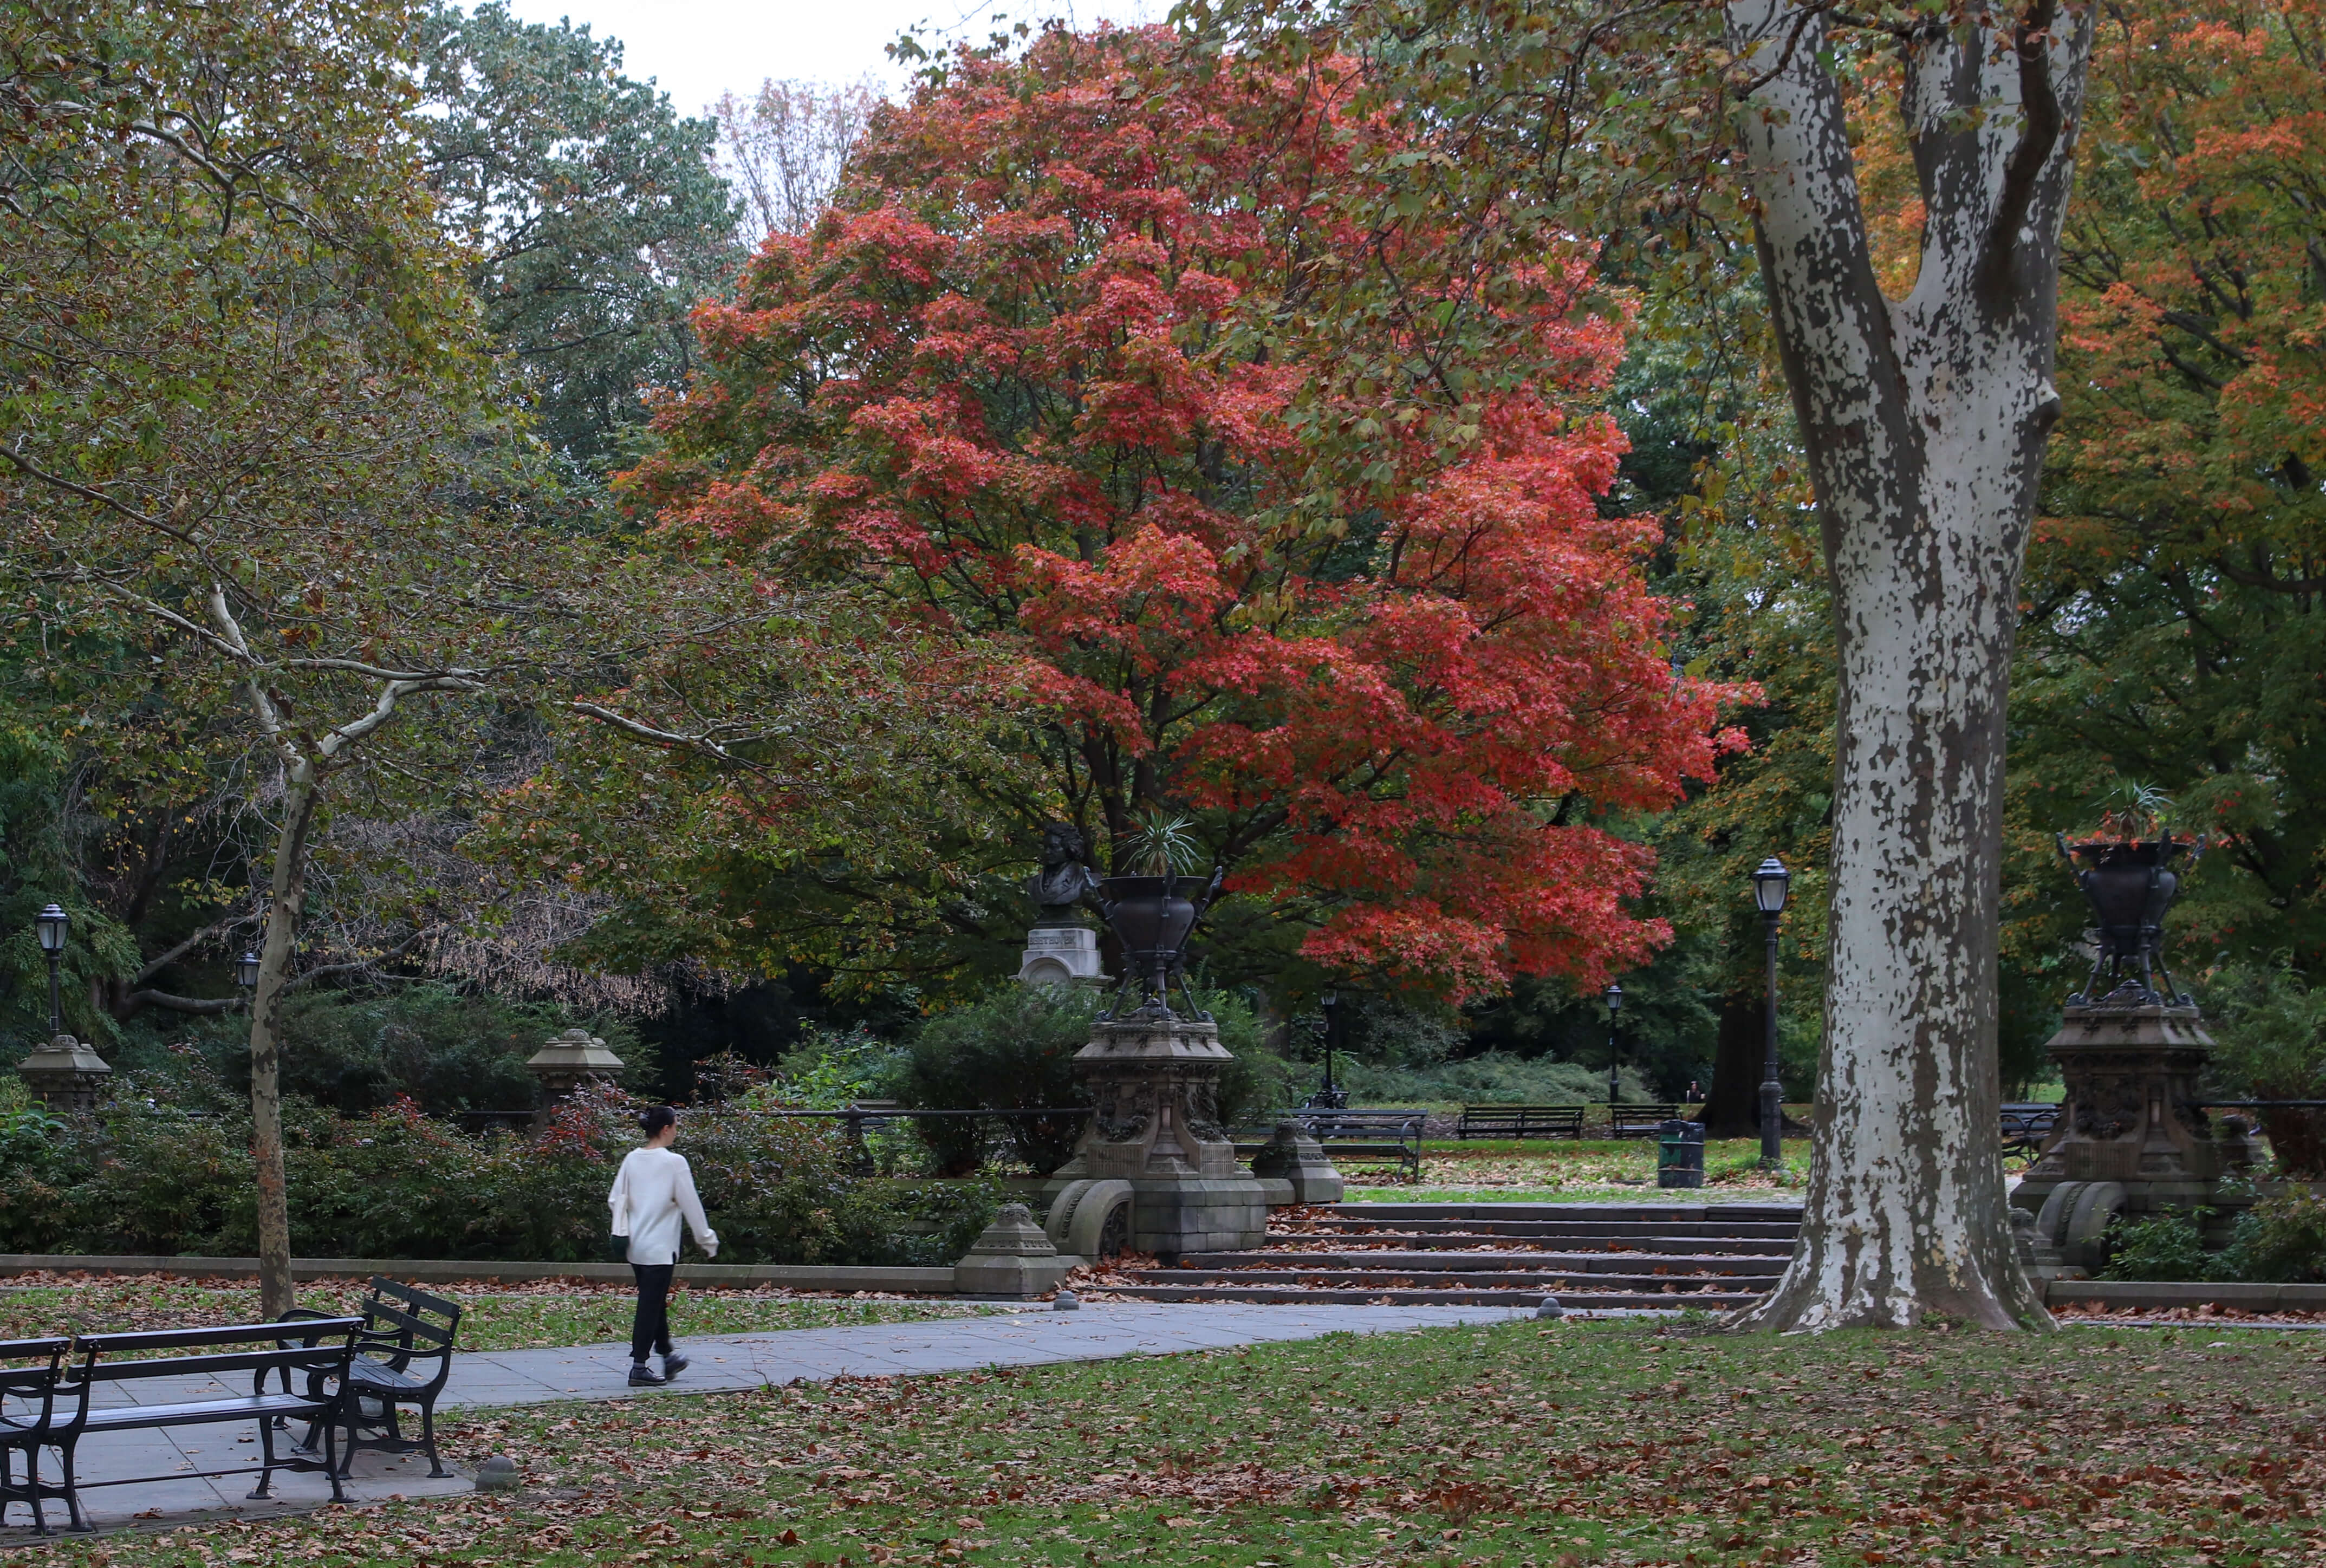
(698, 49)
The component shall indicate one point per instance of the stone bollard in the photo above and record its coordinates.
(499, 1474)
(1012, 1260)
(568, 1062)
(1295, 1166)
(65, 1075)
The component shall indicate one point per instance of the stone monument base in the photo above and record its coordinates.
(2132, 1140)
(1154, 1084)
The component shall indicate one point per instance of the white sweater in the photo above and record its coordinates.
(651, 1191)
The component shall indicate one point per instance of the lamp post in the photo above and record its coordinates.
(1613, 997)
(52, 925)
(1770, 880)
(245, 970)
(1330, 1096)
(61, 1071)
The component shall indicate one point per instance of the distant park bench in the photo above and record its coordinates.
(1519, 1121)
(1358, 1137)
(2025, 1125)
(1640, 1121)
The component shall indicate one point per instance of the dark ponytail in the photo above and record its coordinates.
(655, 1118)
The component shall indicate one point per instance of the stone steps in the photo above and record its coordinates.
(1652, 1257)
(1572, 1229)
(1560, 1280)
(1707, 1301)
(1632, 1262)
(1471, 1241)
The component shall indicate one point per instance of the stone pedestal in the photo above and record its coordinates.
(2131, 1138)
(1062, 954)
(1154, 1086)
(1300, 1165)
(568, 1062)
(65, 1075)
(1012, 1259)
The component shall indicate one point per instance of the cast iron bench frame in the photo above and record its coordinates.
(396, 1332)
(34, 1386)
(68, 1414)
(1519, 1121)
(2025, 1125)
(1642, 1121)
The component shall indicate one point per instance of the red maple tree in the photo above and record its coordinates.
(1048, 374)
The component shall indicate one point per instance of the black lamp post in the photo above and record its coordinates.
(1613, 998)
(1330, 1096)
(245, 970)
(52, 925)
(1770, 880)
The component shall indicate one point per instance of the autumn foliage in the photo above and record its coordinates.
(1055, 374)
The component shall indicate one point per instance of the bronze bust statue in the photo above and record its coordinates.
(1066, 880)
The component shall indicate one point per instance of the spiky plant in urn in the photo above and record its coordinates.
(2131, 1138)
(1154, 1144)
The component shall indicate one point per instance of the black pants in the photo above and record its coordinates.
(650, 1329)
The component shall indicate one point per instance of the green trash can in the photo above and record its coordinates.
(1679, 1153)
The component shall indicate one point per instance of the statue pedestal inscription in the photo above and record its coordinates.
(2132, 1139)
(1062, 955)
(1154, 1086)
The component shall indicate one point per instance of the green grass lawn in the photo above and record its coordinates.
(504, 1318)
(1522, 1444)
(1554, 1170)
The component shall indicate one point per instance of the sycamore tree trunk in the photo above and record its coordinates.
(1923, 420)
(287, 898)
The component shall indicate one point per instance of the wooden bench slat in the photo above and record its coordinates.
(240, 1407)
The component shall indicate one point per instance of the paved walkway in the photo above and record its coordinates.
(722, 1363)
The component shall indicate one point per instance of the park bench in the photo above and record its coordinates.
(1639, 1121)
(58, 1408)
(403, 1355)
(2025, 1125)
(1519, 1121)
(1358, 1137)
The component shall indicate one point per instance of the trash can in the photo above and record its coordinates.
(1679, 1153)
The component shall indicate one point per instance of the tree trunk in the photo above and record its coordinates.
(1732, 1109)
(288, 895)
(1923, 420)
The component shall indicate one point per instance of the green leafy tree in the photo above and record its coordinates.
(590, 209)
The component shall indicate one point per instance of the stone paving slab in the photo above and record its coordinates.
(1035, 1336)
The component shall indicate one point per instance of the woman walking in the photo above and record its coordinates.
(652, 1191)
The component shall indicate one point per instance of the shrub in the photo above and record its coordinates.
(444, 1047)
(2162, 1247)
(133, 1177)
(2280, 1241)
(1490, 1078)
(2270, 1028)
(1012, 1049)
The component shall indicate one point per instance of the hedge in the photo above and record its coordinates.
(136, 1177)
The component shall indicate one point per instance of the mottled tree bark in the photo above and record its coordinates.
(1923, 420)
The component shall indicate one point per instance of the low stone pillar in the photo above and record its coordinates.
(568, 1062)
(65, 1075)
(1298, 1165)
(1012, 1260)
